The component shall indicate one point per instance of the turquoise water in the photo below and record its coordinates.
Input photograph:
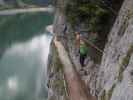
(24, 48)
(22, 26)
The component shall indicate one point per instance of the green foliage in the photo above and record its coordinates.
(60, 85)
(57, 63)
(91, 13)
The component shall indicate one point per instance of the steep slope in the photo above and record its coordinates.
(112, 80)
(115, 76)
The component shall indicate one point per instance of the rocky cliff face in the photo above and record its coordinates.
(56, 83)
(113, 79)
(115, 76)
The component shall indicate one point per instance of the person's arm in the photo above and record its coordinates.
(77, 41)
(92, 45)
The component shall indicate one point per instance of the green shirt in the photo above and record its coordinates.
(83, 49)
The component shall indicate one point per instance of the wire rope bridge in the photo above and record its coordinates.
(25, 10)
(76, 87)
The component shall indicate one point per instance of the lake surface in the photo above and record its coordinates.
(24, 48)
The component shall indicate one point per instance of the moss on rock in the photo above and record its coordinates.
(125, 62)
(57, 81)
(110, 92)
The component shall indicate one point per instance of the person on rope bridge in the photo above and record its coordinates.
(83, 45)
(83, 51)
(77, 43)
(81, 48)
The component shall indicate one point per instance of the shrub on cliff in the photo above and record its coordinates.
(92, 13)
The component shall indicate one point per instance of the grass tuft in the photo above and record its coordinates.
(124, 64)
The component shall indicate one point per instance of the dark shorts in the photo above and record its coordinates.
(82, 59)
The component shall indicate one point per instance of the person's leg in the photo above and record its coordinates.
(82, 59)
(81, 62)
